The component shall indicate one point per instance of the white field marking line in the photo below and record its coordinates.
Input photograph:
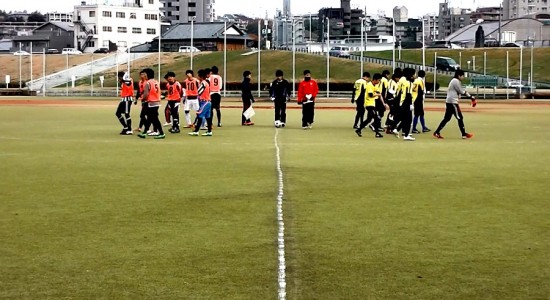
(281, 222)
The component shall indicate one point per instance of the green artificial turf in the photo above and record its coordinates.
(89, 214)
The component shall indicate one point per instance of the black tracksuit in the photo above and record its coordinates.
(246, 97)
(279, 91)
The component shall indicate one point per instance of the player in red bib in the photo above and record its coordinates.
(126, 95)
(216, 84)
(174, 95)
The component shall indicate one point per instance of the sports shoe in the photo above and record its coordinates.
(123, 132)
(355, 127)
(467, 136)
(192, 133)
(204, 128)
(153, 133)
(388, 130)
(378, 135)
(219, 124)
(166, 124)
(310, 125)
(409, 138)
(142, 135)
(174, 130)
(424, 130)
(249, 123)
(149, 131)
(160, 137)
(415, 131)
(358, 132)
(396, 133)
(128, 132)
(208, 133)
(305, 127)
(438, 136)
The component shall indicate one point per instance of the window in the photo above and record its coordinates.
(107, 14)
(121, 15)
(136, 30)
(151, 31)
(192, 13)
(192, 4)
(169, 4)
(106, 44)
(151, 17)
(107, 28)
(151, 1)
(121, 44)
(132, 15)
(91, 13)
(90, 44)
(121, 30)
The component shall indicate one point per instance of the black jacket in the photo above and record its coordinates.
(246, 90)
(280, 90)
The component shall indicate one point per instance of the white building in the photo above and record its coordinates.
(104, 26)
(514, 9)
(59, 17)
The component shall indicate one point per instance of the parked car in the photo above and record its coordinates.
(102, 50)
(515, 45)
(446, 64)
(339, 51)
(444, 45)
(70, 51)
(21, 53)
(52, 51)
(188, 49)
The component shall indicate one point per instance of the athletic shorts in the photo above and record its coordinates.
(192, 104)
(216, 100)
(205, 109)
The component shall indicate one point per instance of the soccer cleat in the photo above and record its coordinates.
(166, 124)
(142, 135)
(305, 127)
(154, 133)
(396, 133)
(409, 138)
(174, 130)
(415, 131)
(358, 132)
(123, 132)
(424, 130)
(438, 136)
(208, 133)
(192, 133)
(128, 132)
(160, 137)
(310, 125)
(355, 127)
(378, 135)
(219, 124)
(467, 136)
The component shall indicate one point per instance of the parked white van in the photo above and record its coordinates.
(188, 49)
(70, 51)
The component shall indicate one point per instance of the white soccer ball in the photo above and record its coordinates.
(277, 124)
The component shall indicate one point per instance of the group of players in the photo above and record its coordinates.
(402, 95)
(202, 95)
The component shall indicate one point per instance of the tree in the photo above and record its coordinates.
(36, 17)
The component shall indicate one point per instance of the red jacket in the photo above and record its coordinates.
(307, 87)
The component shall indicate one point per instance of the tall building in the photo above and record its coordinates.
(59, 17)
(451, 19)
(182, 11)
(514, 9)
(107, 26)
(400, 14)
(286, 9)
(344, 21)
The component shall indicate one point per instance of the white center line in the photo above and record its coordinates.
(281, 222)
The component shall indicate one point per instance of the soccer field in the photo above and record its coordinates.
(88, 214)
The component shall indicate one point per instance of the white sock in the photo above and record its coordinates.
(188, 117)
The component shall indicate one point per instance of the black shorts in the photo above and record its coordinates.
(419, 108)
(216, 100)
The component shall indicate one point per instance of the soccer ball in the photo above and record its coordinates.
(278, 124)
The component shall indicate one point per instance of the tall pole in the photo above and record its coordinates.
(224, 57)
(68, 77)
(520, 65)
(92, 75)
(293, 59)
(44, 72)
(328, 57)
(393, 42)
(20, 73)
(423, 47)
(192, 36)
(259, 55)
(532, 74)
(159, 50)
(507, 75)
(362, 46)
(31, 67)
(435, 73)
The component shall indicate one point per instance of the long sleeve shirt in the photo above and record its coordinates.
(455, 91)
(246, 90)
(280, 90)
(307, 88)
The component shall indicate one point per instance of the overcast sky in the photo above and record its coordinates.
(257, 8)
